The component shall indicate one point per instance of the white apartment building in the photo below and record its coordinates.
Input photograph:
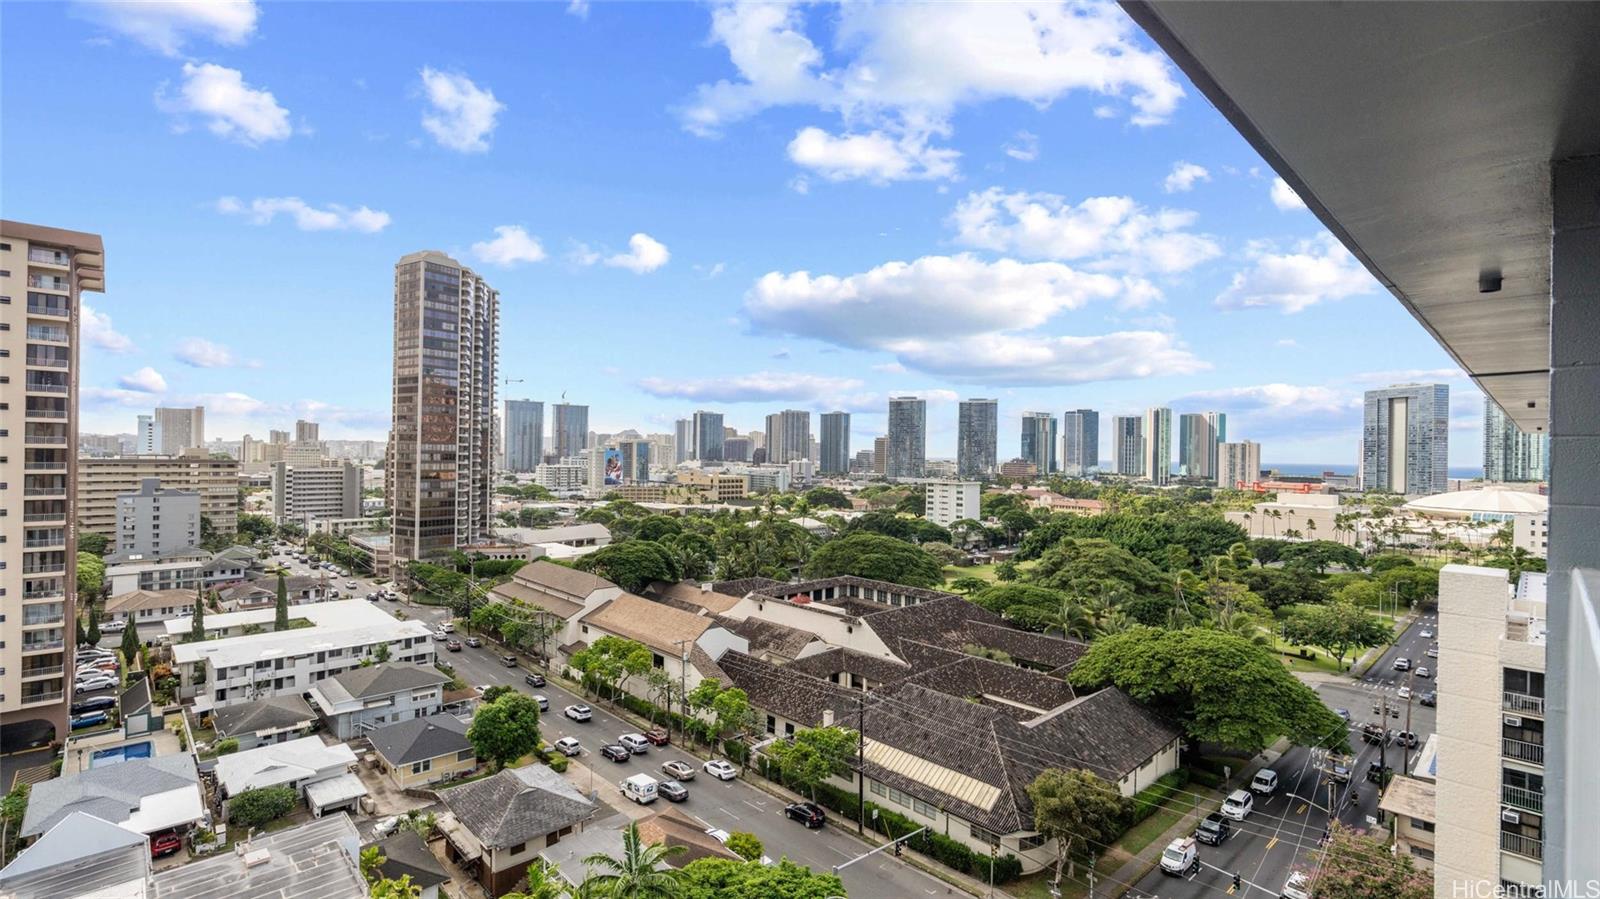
(950, 501)
(102, 480)
(1491, 688)
(1238, 464)
(1311, 516)
(561, 478)
(1532, 533)
(154, 519)
(305, 493)
(257, 666)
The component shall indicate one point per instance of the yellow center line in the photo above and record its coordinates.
(1302, 809)
(1273, 843)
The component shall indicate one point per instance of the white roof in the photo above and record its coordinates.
(1496, 500)
(335, 625)
(163, 811)
(335, 790)
(586, 531)
(280, 763)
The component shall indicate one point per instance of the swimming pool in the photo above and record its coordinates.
(104, 757)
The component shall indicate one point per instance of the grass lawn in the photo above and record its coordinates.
(1150, 829)
(1037, 886)
(983, 572)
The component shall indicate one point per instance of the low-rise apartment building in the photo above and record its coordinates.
(101, 480)
(357, 702)
(307, 493)
(947, 502)
(1531, 533)
(155, 518)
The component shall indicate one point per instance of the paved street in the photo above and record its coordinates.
(1282, 833)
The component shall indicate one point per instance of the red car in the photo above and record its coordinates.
(164, 844)
(657, 736)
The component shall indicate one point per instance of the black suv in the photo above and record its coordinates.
(808, 813)
(1213, 830)
(616, 753)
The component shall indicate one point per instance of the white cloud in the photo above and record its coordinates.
(1291, 411)
(201, 353)
(580, 253)
(1111, 232)
(1316, 271)
(461, 115)
(764, 386)
(233, 110)
(334, 217)
(165, 25)
(512, 245)
(145, 380)
(1183, 177)
(1018, 360)
(1284, 197)
(645, 254)
(230, 404)
(891, 368)
(874, 156)
(95, 327)
(1288, 342)
(114, 397)
(1024, 147)
(714, 270)
(579, 8)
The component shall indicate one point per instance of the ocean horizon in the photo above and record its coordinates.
(1315, 469)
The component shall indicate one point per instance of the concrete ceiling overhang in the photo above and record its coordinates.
(1421, 134)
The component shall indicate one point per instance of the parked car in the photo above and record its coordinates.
(93, 684)
(657, 736)
(1265, 783)
(1343, 713)
(720, 769)
(1180, 857)
(616, 753)
(453, 645)
(1426, 634)
(641, 788)
(386, 827)
(1238, 805)
(164, 844)
(1432, 653)
(1429, 699)
(89, 720)
(1402, 664)
(1374, 733)
(533, 680)
(808, 813)
(1213, 830)
(635, 743)
(509, 661)
(569, 746)
(674, 791)
(93, 704)
(474, 642)
(1423, 672)
(1407, 739)
(448, 626)
(350, 585)
(678, 770)
(113, 627)
(543, 701)
(578, 712)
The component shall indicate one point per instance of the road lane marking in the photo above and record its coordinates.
(1271, 844)
(757, 806)
(1302, 809)
(728, 813)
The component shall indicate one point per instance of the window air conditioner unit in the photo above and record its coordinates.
(1510, 817)
(1513, 721)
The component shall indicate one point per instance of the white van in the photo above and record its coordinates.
(1265, 783)
(1238, 805)
(1180, 857)
(641, 788)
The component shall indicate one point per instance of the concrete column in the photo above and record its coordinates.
(1572, 685)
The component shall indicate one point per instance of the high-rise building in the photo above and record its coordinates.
(708, 436)
(51, 268)
(145, 436)
(1127, 444)
(1080, 442)
(908, 437)
(179, 429)
(834, 448)
(683, 440)
(153, 520)
(736, 449)
(947, 502)
(302, 494)
(977, 435)
(307, 431)
(635, 455)
(524, 422)
(1238, 464)
(1158, 445)
(758, 439)
(100, 481)
(1039, 441)
(446, 339)
(1405, 439)
(788, 436)
(278, 437)
(1198, 436)
(880, 455)
(1509, 453)
(569, 429)
(861, 462)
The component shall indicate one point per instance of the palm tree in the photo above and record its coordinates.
(1247, 517)
(639, 874)
(1311, 529)
(1074, 620)
(543, 883)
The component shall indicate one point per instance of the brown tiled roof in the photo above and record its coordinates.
(833, 661)
(707, 666)
(743, 586)
(953, 622)
(560, 578)
(776, 689)
(658, 626)
(134, 600)
(512, 591)
(769, 637)
(671, 827)
(689, 596)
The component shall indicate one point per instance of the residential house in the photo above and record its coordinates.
(81, 857)
(559, 594)
(362, 699)
(141, 795)
(276, 719)
(406, 855)
(320, 859)
(150, 606)
(1414, 804)
(422, 751)
(324, 775)
(497, 826)
(262, 592)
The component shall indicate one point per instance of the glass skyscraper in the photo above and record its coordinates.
(569, 425)
(977, 433)
(1509, 453)
(1039, 441)
(1405, 439)
(1080, 442)
(835, 449)
(908, 438)
(524, 423)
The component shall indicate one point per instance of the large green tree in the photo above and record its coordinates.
(1073, 808)
(721, 878)
(1338, 627)
(631, 564)
(827, 498)
(610, 660)
(1221, 687)
(814, 755)
(1318, 555)
(254, 808)
(877, 557)
(505, 730)
(91, 575)
(130, 642)
(92, 543)
(1093, 567)
(280, 621)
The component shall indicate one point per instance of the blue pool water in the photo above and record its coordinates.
(117, 756)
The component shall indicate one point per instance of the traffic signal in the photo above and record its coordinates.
(1236, 883)
(897, 849)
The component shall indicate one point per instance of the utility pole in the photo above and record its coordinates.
(683, 680)
(861, 765)
(1405, 745)
(1383, 742)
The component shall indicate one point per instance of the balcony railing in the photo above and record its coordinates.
(1516, 843)
(57, 309)
(48, 257)
(37, 698)
(41, 645)
(48, 282)
(48, 362)
(1527, 800)
(44, 440)
(46, 387)
(41, 671)
(45, 466)
(44, 491)
(1522, 702)
(46, 413)
(1522, 751)
(44, 542)
(52, 593)
(55, 568)
(32, 517)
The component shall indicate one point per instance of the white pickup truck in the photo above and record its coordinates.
(1180, 857)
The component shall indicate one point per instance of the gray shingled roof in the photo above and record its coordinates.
(769, 637)
(273, 713)
(420, 738)
(380, 680)
(406, 855)
(561, 578)
(516, 805)
(110, 793)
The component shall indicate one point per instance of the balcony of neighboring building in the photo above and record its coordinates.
(45, 460)
(44, 614)
(44, 355)
(46, 281)
(44, 588)
(47, 511)
(45, 538)
(1522, 751)
(1525, 846)
(44, 563)
(1522, 798)
(1522, 692)
(41, 692)
(49, 639)
(46, 304)
(47, 382)
(49, 256)
(44, 486)
(49, 332)
(43, 666)
(45, 408)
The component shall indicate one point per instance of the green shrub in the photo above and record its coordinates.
(1206, 778)
(227, 745)
(254, 808)
(1152, 797)
(557, 762)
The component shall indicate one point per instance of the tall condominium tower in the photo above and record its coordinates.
(1039, 441)
(835, 449)
(446, 346)
(977, 436)
(569, 428)
(306, 431)
(1158, 445)
(880, 455)
(1405, 439)
(179, 429)
(908, 437)
(1238, 464)
(635, 457)
(682, 440)
(1509, 453)
(1198, 436)
(524, 423)
(38, 435)
(144, 439)
(708, 436)
(788, 436)
(1127, 441)
(1080, 442)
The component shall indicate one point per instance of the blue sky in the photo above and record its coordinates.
(740, 208)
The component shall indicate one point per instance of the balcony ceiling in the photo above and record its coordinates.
(1421, 135)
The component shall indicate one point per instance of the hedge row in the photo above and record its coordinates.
(1151, 798)
(696, 729)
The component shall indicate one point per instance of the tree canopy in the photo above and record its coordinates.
(878, 557)
(1357, 865)
(631, 564)
(1074, 807)
(721, 878)
(506, 729)
(814, 755)
(1337, 627)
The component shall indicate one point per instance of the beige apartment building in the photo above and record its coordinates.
(101, 480)
(42, 272)
(1491, 732)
